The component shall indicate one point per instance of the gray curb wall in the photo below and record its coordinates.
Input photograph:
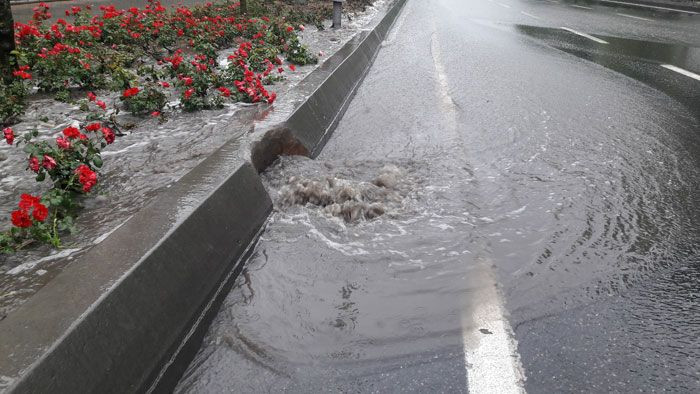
(129, 314)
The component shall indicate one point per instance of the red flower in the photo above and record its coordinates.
(108, 134)
(63, 143)
(188, 93)
(21, 219)
(9, 135)
(187, 81)
(292, 67)
(86, 177)
(93, 127)
(301, 27)
(22, 74)
(165, 84)
(71, 132)
(49, 162)
(130, 92)
(34, 164)
(290, 29)
(280, 70)
(91, 96)
(40, 212)
(27, 201)
(225, 91)
(101, 104)
(155, 114)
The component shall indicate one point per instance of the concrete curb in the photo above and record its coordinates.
(308, 129)
(129, 314)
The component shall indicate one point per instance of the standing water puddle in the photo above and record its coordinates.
(362, 270)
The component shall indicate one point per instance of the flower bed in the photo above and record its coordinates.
(149, 155)
(151, 56)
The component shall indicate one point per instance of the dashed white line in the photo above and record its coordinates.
(503, 5)
(530, 15)
(681, 71)
(449, 109)
(581, 6)
(490, 349)
(590, 37)
(650, 6)
(634, 17)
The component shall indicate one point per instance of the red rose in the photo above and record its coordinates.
(71, 132)
(21, 219)
(91, 96)
(9, 135)
(40, 212)
(62, 143)
(86, 177)
(34, 164)
(49, 163)
(187, 81)
(130, 92)
(22, 74)
(165, 84)
(27, 201)
(108, 134)
(101, 104)
(188, 93)
(225, 91)
(155, 114)
(93, 127)
(292, 67)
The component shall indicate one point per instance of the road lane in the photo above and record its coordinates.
(569, 166)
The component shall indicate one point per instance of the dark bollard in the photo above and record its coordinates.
(337, 11)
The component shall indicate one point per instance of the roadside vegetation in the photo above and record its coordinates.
(150, 62)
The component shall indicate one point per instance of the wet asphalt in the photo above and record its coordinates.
(569, 165)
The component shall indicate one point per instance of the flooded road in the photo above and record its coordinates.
(506, 206)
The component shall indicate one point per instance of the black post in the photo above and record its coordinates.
(7, 37)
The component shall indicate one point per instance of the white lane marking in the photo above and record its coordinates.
(449, 109)
(590, 37)
(490, 349)
(634, 17)
(681, 71)
(650, 6)
(581, 6)
(530, 15)
(504, 5)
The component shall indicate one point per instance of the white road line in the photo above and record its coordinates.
(634, 17)
(590, 37)
(449, 109)
(504, 5)
(650, 6)
(681, 71)
(530, 15)
(581, 6)
(490, 349)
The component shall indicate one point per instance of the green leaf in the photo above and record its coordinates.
(97, 160)
(41, 176)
